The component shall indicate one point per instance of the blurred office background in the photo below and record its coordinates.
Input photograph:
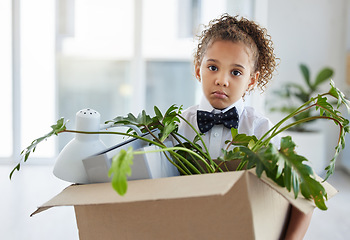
(60, 56)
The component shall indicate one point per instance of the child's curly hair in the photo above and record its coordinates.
(247, 32)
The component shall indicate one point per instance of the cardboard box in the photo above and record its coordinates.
(230, 205)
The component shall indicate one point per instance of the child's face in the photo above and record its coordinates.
(226, 73)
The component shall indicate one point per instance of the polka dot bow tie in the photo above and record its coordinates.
(206, 120)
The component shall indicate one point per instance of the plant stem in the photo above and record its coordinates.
(302, 121)
(150, 132)
(178, 149)
(183, 168)
(199, 135)
(200, 151)
(274, 130)
(117, 133)
(241, 165)
(162, 146)
(181, 143)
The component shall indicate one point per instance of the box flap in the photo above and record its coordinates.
(301, 203)
(146, 190)
(169, 188)
(268, 207)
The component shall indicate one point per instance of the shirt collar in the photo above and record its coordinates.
(204, 105)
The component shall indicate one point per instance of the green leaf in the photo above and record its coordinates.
(197, 138)
(171, 115)
(299, 176)
(323, 76)
(336, 93)
(304, 97)
(325, 107)
(341, 145)
(231, 155)
(165, 123)
(120, 169)
(234, 132)
(287, 176)
(295, 184)
(298, 91)
(167, 130)
(59, 127)
(261, 160)
(242, 139)
(312, 189)
(18, 166)
(168, 123)
(280, 166)
(158, 113)
(251, 144)
(144, 119)
(172, 110)
(306, 74)
(130, 119)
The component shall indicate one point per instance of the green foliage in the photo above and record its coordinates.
(240, 139)
(295, 94)
(59, 127)
(297, 175)
(120, 169)
(167, 124)
(327, 111)
(336, 93)
(283, 166)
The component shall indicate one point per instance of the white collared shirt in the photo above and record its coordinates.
(250, 123)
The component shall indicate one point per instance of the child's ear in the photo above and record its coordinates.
(197, 72)
(253, 81)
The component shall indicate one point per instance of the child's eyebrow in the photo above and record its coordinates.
(233, 65)
(238, 65)
(213, 60)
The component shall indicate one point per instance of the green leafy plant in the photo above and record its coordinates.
(295, 94)
(284, 166)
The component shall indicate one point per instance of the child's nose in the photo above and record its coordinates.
(222, 80)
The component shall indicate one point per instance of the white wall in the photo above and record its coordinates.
(311, 32)
(348, 26)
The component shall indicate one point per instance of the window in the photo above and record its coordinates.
(37, 73)
(6, 80)
(94, 56)
(169, 82)
(113, 56)
(122, 56)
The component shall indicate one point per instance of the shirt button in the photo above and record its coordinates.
(216, 134)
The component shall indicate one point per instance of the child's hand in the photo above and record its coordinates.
(298, 224)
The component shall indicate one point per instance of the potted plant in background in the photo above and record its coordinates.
(284, 166)
(293, 94)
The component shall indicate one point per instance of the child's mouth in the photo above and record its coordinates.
(220, 94)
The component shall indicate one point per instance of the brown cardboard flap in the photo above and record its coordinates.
(146, 190)
(268, 208)
(181, 187)
(300, 202)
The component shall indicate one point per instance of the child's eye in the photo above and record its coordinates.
(236, 73)
(213, 68)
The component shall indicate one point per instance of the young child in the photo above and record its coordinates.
(233, 57)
